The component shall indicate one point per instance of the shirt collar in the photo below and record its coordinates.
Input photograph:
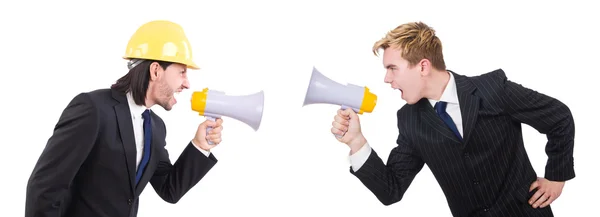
(136, 110)
(449, 95)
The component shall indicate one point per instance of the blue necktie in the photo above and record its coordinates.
(440, 109)
(147, 141)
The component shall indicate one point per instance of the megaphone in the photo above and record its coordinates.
(322, 90)
(214, 104)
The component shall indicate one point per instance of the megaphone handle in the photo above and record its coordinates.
(343, 108)
(208, 129)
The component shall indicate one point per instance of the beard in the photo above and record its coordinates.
(166, 93)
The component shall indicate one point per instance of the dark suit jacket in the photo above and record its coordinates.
(88, 165)
(489, 174)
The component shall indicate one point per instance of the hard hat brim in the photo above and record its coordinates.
(190, 64)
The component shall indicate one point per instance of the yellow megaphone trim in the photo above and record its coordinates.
(198, 101)
(368, 103)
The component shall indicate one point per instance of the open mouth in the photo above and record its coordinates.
(175, 96)
(401, 92)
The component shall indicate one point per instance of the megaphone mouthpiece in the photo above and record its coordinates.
(322, 90)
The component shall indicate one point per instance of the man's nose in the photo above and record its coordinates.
(387, 78)
(186, 84)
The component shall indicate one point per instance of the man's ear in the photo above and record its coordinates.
(424, 67)
(154, 71)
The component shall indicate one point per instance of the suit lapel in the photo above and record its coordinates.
(431, 118)
(126, 133)
(149, 171)
(469, 105)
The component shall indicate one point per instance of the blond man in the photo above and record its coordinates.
(466, 129)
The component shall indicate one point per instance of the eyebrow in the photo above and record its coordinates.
(390, 66)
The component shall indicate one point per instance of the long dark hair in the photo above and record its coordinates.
(137, 79)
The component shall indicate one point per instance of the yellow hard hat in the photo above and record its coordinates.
(161, 40)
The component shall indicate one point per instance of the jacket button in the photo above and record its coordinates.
(129, 201)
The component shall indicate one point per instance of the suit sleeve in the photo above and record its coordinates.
(72, 140)
(172, 181)
(548, 116)
(388, 182)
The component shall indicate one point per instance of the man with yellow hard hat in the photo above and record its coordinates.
(108, 144)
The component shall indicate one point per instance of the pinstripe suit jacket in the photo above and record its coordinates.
(488, 173)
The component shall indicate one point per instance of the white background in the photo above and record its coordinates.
(292, 166)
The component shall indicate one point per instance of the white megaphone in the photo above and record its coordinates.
(215, 104)
(322, 90)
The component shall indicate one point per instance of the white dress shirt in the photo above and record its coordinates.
(138, 129)
(453, 109)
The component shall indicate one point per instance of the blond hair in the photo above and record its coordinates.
(417, 41)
